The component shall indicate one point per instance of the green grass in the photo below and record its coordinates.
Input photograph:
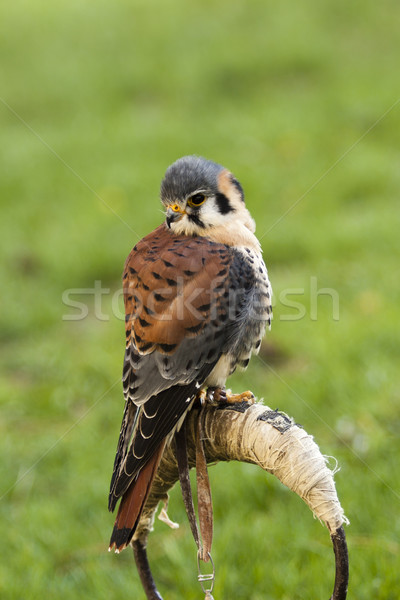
(97, 100)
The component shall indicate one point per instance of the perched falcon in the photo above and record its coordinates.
(197, 302)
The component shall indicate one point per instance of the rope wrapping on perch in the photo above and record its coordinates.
(264, 437)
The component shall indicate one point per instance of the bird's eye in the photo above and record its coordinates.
(196, 200)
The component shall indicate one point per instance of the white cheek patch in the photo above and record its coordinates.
(211, 215)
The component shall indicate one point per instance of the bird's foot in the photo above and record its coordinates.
(227, 397)
(243, 397)
(202, 396)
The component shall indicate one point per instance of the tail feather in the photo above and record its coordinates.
(133, 502)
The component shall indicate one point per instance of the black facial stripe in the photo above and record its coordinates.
(237, 185)
(223, 203)
(196, 219)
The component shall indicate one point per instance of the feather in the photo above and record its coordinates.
(133, 503)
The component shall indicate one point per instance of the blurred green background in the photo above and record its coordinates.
(298, 100)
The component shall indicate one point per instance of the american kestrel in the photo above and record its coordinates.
(197, 302)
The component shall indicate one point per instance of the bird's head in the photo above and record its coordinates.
(200, 196)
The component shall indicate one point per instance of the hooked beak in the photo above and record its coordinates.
(174, 213)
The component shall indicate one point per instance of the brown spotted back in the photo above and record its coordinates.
(172, 289)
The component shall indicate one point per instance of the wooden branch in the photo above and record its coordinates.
(267, 438)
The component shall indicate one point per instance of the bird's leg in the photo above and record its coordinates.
(227, 397)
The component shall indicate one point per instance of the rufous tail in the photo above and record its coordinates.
(133, 502)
